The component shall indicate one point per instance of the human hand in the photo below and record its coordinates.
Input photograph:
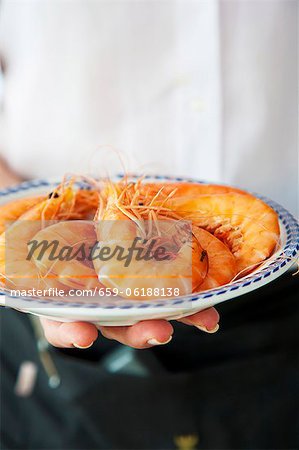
(144, 334)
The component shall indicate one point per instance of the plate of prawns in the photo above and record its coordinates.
(117, 251)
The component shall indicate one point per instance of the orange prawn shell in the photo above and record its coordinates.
(115, 226)
(14, 209)
(222, 265)
(245, 223)
(17, 235)
(189, 189)
(175, 190)
(28, 216)
(75, 273)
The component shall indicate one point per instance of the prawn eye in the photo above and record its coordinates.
(140, 204)
(53, 195)
(203, 255)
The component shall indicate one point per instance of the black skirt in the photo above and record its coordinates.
(237, 389)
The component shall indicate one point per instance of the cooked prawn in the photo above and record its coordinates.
(184, 270)
(67, 260)
(15, 269)
(84, 206)
(13, 210)
(247, 225)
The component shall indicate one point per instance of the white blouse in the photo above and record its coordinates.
(187, 87)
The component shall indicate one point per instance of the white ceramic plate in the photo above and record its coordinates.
(127, 312)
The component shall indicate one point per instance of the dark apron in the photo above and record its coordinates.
(237, 389)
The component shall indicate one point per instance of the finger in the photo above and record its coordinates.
(143, 334)
(69, 334)
(206, 320)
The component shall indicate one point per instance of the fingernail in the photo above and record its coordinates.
(81, 347)
(155, 342)
(208, 331)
